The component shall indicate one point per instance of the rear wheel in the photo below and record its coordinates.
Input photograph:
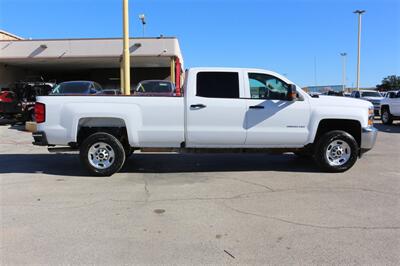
(336, 151)
(386, 117)
(102, 154)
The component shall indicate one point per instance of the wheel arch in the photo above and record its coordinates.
(384, 106)
(353, 127)
(115, 126)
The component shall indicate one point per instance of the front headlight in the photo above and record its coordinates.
(371, 116)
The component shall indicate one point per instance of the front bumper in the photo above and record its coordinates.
(39, 139)
(368, 138)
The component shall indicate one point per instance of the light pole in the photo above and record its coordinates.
(126, 53)
(344, 70)
(142, 17)
(359, 12)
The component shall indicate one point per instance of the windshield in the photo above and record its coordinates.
(72, 87)
(154, 86)
(371, 94)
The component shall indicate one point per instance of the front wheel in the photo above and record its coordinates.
(386, 117)
(336, 151)
(102, 154)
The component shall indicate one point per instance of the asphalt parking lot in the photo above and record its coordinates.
(198, 209)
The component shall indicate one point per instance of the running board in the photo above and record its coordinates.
(61, 150)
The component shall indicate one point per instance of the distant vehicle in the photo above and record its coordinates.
(77, 88)
(334, 93)
(8, 104)
(110, 92)
(154, 88)
(18, 99)
(390, 107)
(346, 94)
(369, 95)
(389, 94)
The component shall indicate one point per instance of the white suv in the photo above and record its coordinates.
(390, 107)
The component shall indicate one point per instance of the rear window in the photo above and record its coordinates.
(218, 84)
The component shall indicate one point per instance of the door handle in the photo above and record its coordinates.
(256, 107)
(198, 106)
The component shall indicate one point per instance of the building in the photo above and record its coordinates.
(89, 59)
(6, 36)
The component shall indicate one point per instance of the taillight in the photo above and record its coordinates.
(40, 112)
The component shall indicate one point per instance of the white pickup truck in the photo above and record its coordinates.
(390, 107)
(221, 109)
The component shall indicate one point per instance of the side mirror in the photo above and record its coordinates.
(292, 93)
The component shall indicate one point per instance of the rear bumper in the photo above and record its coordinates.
(368, 138)
(39, 139)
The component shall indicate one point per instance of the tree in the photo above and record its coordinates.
(389, 83)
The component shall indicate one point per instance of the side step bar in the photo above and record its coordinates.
(61, 149)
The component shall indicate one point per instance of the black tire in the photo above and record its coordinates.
(324, 144)
(386, 116)
(112, 144)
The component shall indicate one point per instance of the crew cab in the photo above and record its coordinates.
(390, 107)
(220, 109)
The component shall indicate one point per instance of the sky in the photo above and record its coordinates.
(301, 39)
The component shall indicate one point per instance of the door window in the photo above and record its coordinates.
(218, 84)
(263, 86)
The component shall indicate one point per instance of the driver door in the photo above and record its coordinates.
(272, 120)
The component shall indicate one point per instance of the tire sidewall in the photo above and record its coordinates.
(389, 118)
(322, 146)
(110, 140)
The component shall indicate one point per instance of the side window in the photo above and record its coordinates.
(263, 86)
(218, 84)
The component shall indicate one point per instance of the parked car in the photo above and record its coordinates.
(334, 93)
(222, 108)
(17, 101)
(8, 104)
(390, 107)
(77, 88)
(370, 95)
(154, 88)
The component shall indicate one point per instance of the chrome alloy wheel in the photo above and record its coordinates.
(101, 155)
(385, 116)
(338, 153)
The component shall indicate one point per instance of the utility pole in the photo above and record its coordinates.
(126, 53)
(359, 12)
(315, 71)
(344, 70)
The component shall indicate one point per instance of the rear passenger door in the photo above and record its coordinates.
(215, 113)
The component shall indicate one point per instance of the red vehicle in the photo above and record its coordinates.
(8, 104)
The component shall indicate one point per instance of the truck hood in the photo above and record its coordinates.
(337, 101)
